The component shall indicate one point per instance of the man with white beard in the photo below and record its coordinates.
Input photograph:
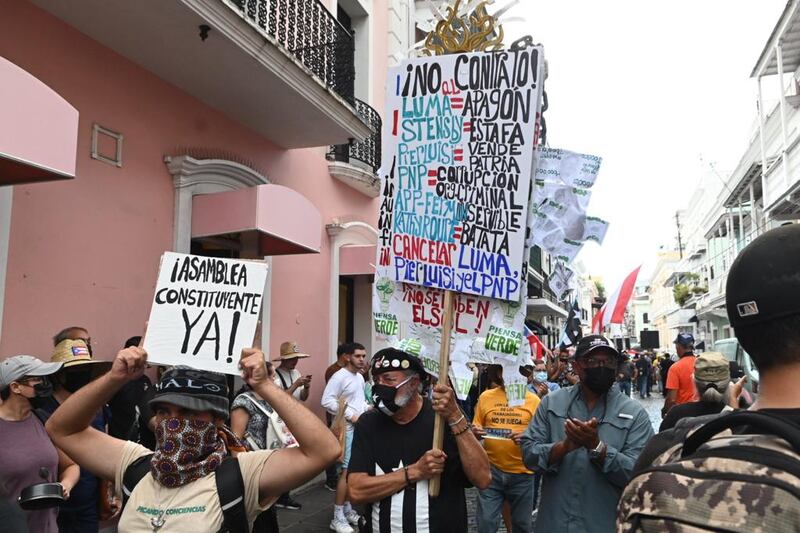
(392, 459)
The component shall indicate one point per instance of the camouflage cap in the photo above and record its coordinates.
(712, 367)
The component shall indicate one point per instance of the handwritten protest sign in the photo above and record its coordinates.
(205, 311)
(458, 156)
(488, 331)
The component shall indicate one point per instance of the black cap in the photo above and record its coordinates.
(684, 339)
(593, 343)
(764, 280)
(390, 359)
(193, 389)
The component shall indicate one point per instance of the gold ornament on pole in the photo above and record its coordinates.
(475, 31)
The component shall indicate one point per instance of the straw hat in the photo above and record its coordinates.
(75, 353)
(290, 350)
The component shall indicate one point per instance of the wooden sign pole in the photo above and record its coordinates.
(434, 486)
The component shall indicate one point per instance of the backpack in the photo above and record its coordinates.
(719, 480)
(230, 489)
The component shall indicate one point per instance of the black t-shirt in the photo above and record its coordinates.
(146, 437)
(643, 366)
(382, 446)
(124, 420)
(685, 410)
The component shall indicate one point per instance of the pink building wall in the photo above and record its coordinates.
(85, 251)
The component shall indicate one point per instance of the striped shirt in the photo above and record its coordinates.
(381, 446)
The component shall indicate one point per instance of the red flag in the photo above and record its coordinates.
(537, 346)
(613, 311)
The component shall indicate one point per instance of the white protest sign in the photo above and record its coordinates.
(205, 311)
(458, 156)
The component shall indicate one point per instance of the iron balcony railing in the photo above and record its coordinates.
(307, 30)
(367, 151)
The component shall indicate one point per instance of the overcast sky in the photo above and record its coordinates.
(651, 87)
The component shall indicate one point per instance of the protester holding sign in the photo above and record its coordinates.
(501, 427)
(190, 409)
(392, 459)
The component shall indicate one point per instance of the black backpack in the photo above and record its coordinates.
(230, 489)
(747, 479)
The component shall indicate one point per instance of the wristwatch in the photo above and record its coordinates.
(597, 453)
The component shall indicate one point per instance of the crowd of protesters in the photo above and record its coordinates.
(187, 454)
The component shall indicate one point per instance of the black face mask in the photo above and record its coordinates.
(40, 392)
(73, 381)
(599, 379)
(43, 389)
(383, 397)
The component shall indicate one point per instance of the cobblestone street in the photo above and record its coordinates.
(318, 502)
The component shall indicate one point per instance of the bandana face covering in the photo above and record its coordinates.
(186, 450)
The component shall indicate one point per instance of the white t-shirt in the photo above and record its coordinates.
(288, 379)
(192, 508)
(349, 385)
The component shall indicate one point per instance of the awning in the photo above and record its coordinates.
(284, 220)
(357, 260)
(544, 307)
(38, 130)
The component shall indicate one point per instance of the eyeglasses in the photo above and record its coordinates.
(30, 381)
(594, 362)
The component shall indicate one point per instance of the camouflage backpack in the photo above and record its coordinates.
(720, 480)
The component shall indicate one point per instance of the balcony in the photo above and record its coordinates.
(283, 68)
(356, 164)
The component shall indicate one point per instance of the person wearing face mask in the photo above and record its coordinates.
(28, 455)
(585, 440)
(178, 490)
(80, 514)
(347, 385)
(392, 460)
(538, 382)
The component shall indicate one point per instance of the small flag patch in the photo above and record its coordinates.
(80, 351)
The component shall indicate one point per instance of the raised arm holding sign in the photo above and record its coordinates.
(205, 311)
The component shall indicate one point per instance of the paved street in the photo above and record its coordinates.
(318, 502)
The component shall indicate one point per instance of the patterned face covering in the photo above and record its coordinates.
(186, 450)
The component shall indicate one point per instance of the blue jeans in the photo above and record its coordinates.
(625, 387)
(643, 387)
(348, 447)
(518, 490)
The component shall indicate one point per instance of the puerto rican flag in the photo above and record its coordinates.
(537, 346)
(613, 311)
(80, 351)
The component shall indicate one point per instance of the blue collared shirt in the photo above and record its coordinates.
(577, 494)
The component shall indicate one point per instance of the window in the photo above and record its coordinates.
(645, 318)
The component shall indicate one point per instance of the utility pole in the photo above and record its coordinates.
(678, 224)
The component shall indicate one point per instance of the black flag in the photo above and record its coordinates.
(572, 328)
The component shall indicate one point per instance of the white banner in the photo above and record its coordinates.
(205, 311)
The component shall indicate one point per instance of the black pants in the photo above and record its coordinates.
(267, 522)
